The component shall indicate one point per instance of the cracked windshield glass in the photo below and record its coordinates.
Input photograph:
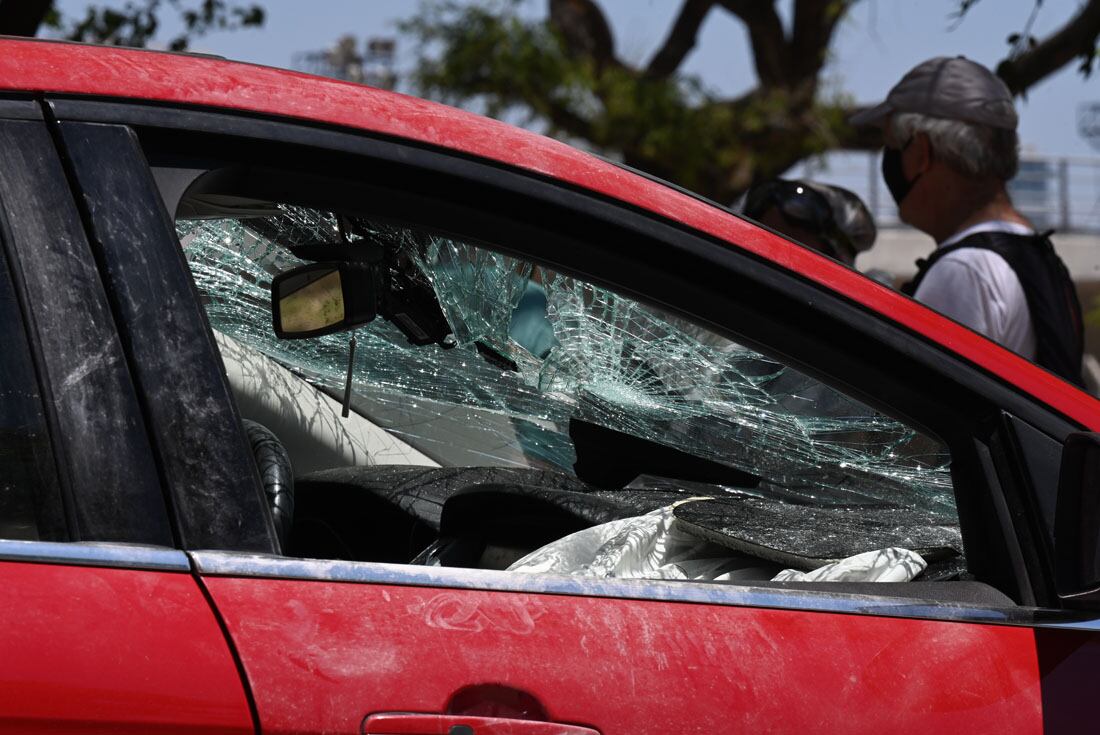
(489, 360)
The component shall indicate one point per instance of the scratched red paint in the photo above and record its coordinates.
(323, 655)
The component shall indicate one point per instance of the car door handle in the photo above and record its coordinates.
(414, 724)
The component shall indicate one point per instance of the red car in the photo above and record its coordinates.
(327, 409)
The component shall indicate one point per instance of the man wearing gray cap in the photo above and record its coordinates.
(951, 146)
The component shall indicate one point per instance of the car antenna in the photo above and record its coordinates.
(347, 383)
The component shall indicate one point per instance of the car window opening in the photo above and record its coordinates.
(524, 405)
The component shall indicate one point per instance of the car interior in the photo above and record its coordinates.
(415, 397)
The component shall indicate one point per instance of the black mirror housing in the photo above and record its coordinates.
(336, 296)
(1077, 519)
(323, 298)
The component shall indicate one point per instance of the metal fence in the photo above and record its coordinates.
(1053, 192)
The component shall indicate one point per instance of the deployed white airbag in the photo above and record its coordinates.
(655, 546)
(883, 565)
(652, 546)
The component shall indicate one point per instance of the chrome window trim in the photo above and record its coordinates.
(230, 564)
(1089, 623)
(96, 554)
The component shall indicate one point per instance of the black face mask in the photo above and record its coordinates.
(894, 174)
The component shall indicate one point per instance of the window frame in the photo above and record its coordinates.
(213, 231)
(454, 188)
(209, 477)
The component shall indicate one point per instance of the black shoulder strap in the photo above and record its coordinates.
(1051, 296)
(909, 288)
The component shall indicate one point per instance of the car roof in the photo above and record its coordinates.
(40, 66)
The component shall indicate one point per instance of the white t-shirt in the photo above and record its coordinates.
(978, 288)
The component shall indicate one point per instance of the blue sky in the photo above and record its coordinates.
(879, 41)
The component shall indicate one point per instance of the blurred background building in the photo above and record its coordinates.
(370, 61)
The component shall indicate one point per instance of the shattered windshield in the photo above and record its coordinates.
(531, 351)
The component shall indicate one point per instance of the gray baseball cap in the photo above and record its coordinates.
(954, 88)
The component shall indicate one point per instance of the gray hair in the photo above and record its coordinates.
(969, 148)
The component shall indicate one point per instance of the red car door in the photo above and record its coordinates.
(103, 627)
(111, 639)
(327, 645)
(366, 646)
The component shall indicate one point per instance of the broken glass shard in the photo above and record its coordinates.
(518, 374)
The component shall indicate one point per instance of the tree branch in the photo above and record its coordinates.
(585, 30)
(23, 17)
(681, 38)
(769, 44)
(1076, 38)
(814, 24)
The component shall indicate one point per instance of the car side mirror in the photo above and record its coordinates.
(1077, 519)
(323, 298)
